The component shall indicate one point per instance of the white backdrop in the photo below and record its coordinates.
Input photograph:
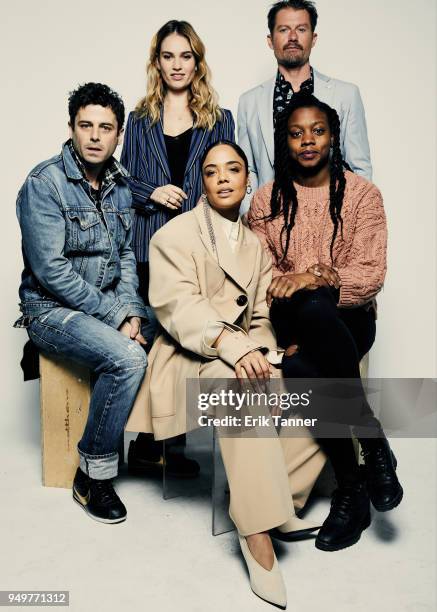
(387, 48)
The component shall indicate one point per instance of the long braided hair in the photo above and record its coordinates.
(284, 197)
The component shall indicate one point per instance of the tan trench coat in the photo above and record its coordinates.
(190, 289)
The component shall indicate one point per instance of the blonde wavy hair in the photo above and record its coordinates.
(203, 99)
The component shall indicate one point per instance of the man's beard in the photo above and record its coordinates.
(289, 63)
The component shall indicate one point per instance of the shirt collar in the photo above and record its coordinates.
(281, 81)
(113, 171)
(231, 228)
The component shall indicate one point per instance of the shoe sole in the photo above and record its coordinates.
(389, 506)
(269, 602)
(96, 518)
(293, 536)
(345, 544)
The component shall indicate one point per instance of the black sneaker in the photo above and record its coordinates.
(347, 519)
(98, 499)
(144, 463)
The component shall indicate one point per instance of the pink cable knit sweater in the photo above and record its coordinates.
(360, 257)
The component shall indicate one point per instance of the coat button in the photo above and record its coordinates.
(241, 300)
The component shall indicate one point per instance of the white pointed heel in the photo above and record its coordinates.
(266, 584)
(294, 529)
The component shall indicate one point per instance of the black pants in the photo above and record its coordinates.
(331, 342)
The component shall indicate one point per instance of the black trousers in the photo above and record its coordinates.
(331, 342)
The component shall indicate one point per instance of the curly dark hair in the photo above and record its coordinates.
(284, 197)
(297, 5)
(95, 93)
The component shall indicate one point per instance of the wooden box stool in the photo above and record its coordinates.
(64, 400)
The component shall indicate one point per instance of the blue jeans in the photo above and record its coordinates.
(118, 364)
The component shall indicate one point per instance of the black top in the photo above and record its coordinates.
(178, 149)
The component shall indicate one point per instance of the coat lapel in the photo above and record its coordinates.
(265, 106)
(238, 265)
(155, 135)
(197, 146)
(323, 88)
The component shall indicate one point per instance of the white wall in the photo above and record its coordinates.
(387, 48)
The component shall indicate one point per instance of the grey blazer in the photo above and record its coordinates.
(255, 127)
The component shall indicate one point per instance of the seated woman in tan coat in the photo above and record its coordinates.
(208, 280)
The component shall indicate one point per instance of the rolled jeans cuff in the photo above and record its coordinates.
(99, 467)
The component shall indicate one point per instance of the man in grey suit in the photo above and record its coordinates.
(292, 35)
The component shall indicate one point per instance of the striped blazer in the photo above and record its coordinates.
(144, 156)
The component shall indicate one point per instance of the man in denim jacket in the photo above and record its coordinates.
(79, 285)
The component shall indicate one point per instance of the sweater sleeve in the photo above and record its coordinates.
(256, 218)
(362, 276)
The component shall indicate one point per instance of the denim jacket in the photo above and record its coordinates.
(76, 255)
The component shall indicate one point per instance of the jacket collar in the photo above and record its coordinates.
(266, 117)
(238, 265)
(323, 89)
(198, 144)
(155, 135)
(74, 168)
(71, 168)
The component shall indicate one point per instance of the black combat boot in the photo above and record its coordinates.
(383, 485)
(348, 517)
(145, 459)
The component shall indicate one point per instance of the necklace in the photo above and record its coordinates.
(208, 221)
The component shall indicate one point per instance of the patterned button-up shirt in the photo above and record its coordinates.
(284, 92)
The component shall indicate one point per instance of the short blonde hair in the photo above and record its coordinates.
(203, 98)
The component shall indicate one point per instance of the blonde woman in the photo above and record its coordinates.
(164, 142)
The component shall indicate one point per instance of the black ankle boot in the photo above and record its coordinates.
(383, 485)
(146, 460)
(348, 517)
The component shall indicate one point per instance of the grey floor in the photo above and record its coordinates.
(165, 558)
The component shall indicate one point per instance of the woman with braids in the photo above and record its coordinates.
(165, 138)
(325, 229)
